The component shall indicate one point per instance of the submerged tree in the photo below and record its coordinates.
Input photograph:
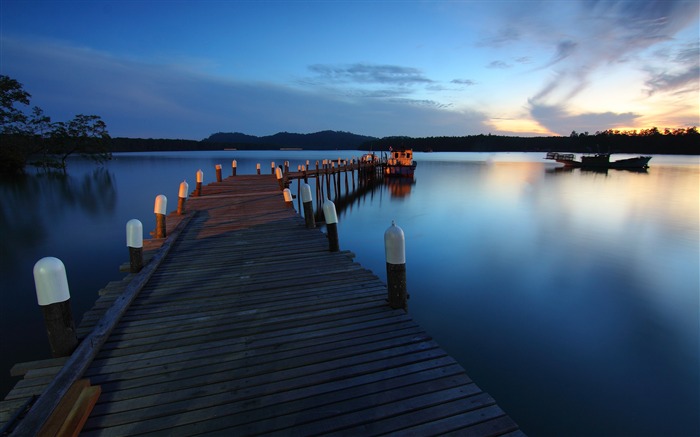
(85, 135)
(33, 136)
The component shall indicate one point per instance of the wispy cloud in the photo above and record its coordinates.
(370, 74)
(615, 32)
(558, 119)
(138, 99)
(466, 82)
(498, 65)
(681, 72)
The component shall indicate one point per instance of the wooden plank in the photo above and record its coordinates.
(56, 420)
(78, 415)
(20, 369)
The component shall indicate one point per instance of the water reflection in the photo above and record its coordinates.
(400, 187)
(33, 205)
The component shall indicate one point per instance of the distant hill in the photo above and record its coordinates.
(650, 141)
(324, 140)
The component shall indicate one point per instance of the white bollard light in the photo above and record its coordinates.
(53, 296)
(288, 196)
(329, 212)
(134, 241)
(50, 281)
(161, 204)
(394, 245)
(134, 233)
(184, 190)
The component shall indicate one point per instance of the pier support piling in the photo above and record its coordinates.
(280, 180)
(200, 179)
(331, 225)
(134, 241)
(53, 296)
(182, 197)
(395, 251)
(160, 209)
(307, 201)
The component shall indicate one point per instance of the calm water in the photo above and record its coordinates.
(570, 296)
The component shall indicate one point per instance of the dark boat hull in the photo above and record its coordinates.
(401, 171)
(601, 161)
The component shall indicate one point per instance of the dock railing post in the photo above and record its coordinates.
(53, 296)
(160, 209)
(200, 179)
(218, 172)
(134, 241)
(288, 199)
(395, 251)
(234, 164)
(307, 201)
(280, 180)
(272, 167)
(257, 168)
(182, 197)
(331, 225)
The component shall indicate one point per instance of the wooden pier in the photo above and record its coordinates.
(243, 323)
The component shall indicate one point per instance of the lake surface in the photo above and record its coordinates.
(570, 296)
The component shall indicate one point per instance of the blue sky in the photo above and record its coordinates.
(187, 69)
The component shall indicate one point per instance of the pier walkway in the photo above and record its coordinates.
(246, 324)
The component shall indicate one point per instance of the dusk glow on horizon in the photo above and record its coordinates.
(188, 69)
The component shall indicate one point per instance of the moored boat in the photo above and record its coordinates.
(400, 163)
(600, 160)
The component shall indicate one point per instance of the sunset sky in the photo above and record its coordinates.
(187, 69)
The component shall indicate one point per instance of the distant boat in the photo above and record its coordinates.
(600, 160)
(400, 163)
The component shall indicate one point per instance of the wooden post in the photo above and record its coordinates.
(134, 241)
(53, 296)
(331, 225)
(200, 179)
(257, 168)
(234, 164)
(395, 250)
(160, 209)
(218, 172)
(307, 201)
(352, 171)
(319, 193)
(272, 167)
(280, 179)
(182, 197)
(347, 186)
